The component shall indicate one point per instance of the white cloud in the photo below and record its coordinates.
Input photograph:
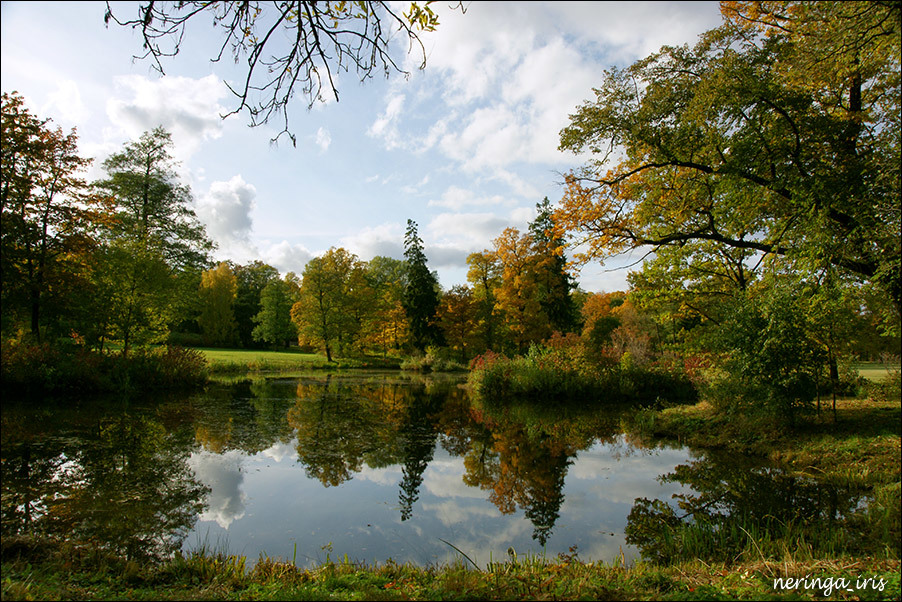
(386, 240)
(323, 139)
(386, 125)
(458, 198)
(287, 257)
(226, 209)
(222, 474)
(186, 107)
(465, 230)
(66, 103)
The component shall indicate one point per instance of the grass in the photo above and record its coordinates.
(875, 371)
(34, 569)
(242, 361)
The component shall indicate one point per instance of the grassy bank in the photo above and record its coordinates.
(244, 361)
(39, 570)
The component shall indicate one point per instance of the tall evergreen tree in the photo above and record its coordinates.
(555, 284)
(421, 294)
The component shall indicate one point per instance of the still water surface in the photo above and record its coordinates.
(372, 467)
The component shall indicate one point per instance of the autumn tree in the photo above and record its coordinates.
(287, 47)
(217, 295)
(457, 318)
(47, 217)
(518, 297)
(484, 276)
(387, 327)
(421, 293)
(776, 136)
(332, 297)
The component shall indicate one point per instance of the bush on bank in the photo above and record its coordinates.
(37, 368)
(565, 372)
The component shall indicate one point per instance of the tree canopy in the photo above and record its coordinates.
(776, 138)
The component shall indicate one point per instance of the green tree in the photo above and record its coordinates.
(156, 239)
(252, 279)
(274, 325)
(217, 295)
(780, 141)
(769, 356)
(325, 39)
(554, 282)
(421, 294)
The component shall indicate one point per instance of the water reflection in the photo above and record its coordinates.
(373, 466)
(731, 502)
(114, 478)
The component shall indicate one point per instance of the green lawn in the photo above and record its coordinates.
(875, 371)
(289, 360)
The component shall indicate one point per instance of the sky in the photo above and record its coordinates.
(465, 147)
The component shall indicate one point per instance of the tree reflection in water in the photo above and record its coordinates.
(735, 507)
(119, 475)
(117, 479)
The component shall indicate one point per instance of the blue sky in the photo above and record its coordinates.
(465, 147)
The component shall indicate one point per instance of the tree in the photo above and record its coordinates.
(153, 207)
(457, 318)
(47, 215)
(775, 139)
(554, 282)
(217, 295)
(325, 38)
(387, 324)
(332, 296)
(274, 324)
(252, 279)
(484, 275)
(154, 241)
(421, 294)
(518, 296)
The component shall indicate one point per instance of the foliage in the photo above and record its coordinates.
(420, 298)
(484, 274)
(561, 370)
(775, 136)
(457, 319)
(333, 301)
(48, 221)
(274, 323)
(252, 279)
(434, 360)
(554, 281)
(49, 368)
(45, 569)
(217, 294)
(155, 238)
(768, 359)
(327, 38)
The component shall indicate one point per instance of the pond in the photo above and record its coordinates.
(368, 467)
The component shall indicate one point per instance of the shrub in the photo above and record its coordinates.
(563, 373)
(43, 367)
